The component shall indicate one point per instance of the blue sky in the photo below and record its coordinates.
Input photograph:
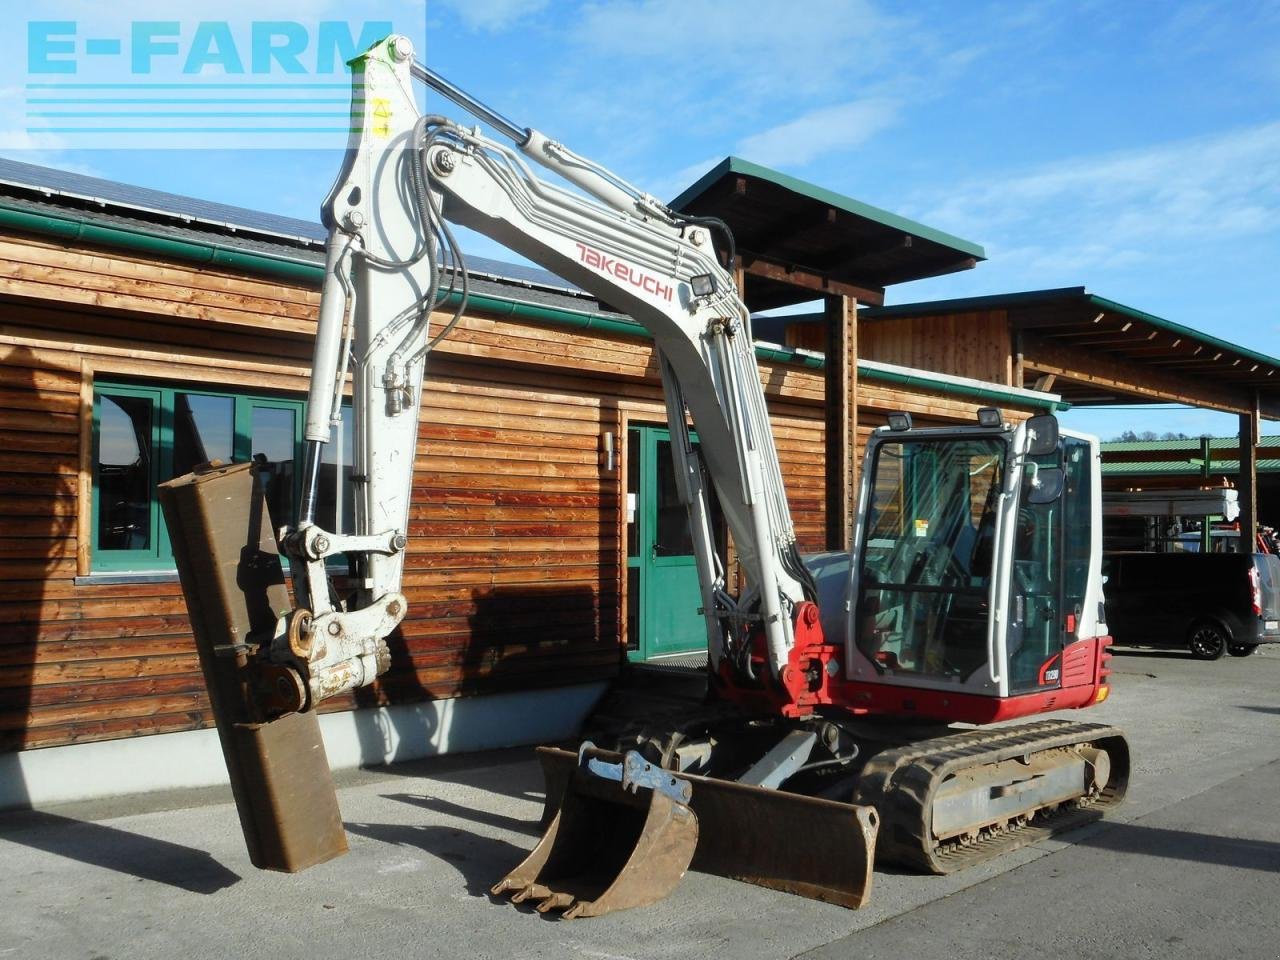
(1133, 148)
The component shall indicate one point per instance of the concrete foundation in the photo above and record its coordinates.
(361, 738)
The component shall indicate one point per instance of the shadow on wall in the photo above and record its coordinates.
(37, 543)
(389, 735)
(528, 635)
(507, 639)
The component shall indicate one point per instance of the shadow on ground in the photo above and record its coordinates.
(1261, 855)
(112, 849)
(483, 817)
(512, 772)
(1273, 711)
(481, 860)
(1149, 652)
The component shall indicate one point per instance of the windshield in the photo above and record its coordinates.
(926, 555)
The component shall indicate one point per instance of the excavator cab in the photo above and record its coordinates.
(955, 523)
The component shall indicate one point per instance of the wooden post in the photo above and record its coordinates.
(841, 402)
(1249, 479)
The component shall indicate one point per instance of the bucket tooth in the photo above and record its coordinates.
(606, 848)
(533, 891)
(555, 901)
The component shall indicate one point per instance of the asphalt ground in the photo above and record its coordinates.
(1188, 867)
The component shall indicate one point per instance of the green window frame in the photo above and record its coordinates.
(141, 521)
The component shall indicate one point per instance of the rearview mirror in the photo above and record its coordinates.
(1042, 435)
(1045, 484)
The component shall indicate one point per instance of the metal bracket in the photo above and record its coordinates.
(635, 772)
(786, 757)
(314, 543)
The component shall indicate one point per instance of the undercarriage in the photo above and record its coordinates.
(803, 805)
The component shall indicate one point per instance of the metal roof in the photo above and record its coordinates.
(67, 186)
(1190, 445)
(39, 189)
(1075, 317)
(1176, 468)
(798, 225)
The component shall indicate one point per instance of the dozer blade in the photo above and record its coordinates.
(618, 839)
(807, 846)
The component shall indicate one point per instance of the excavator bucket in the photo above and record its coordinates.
(622, 836)
(230, 572)
(803, 845)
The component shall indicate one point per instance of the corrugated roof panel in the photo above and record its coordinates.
(1190, 445)
(1175, 468)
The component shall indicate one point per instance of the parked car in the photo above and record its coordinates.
(1215, 603)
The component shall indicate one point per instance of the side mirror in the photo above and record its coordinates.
(1042, 435)
(1045, 484)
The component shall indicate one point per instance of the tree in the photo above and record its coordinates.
(1147, 436)
(1130, 436)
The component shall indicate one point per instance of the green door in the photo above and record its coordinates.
(662, 577)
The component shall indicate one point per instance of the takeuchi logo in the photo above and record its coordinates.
(612, 266)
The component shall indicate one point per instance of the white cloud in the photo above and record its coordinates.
(493, 16)
(827, 129)
(1116, 210)
(753, 44)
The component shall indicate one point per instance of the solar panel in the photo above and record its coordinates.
(190, 212)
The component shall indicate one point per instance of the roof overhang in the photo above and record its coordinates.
(798, 241)
(1096, 351)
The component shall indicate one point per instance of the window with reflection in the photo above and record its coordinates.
(926, 559)
(124, 467)
(145, 434)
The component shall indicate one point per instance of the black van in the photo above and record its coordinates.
(1215, 603)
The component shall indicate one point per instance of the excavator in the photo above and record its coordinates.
(856, 702)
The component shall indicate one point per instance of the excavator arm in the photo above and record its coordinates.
(406, 177)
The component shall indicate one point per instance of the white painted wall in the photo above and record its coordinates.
(361, 738)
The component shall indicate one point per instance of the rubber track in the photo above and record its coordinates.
(900, 784)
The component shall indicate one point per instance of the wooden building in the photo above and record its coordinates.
(142, 332)
(1087, 349)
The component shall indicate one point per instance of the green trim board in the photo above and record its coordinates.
(81, 229)
(732, 165)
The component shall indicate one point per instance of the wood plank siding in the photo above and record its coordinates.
(976, 345)
(514, 570)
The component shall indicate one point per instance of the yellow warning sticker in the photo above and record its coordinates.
(381, 117)
(922, 526)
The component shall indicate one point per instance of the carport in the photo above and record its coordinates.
(1092, 351)
(798, 242)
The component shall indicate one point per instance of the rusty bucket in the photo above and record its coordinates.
(622, 836)
(808, 846)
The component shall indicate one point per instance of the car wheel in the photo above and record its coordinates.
(1207, 641)
(1241, 649)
